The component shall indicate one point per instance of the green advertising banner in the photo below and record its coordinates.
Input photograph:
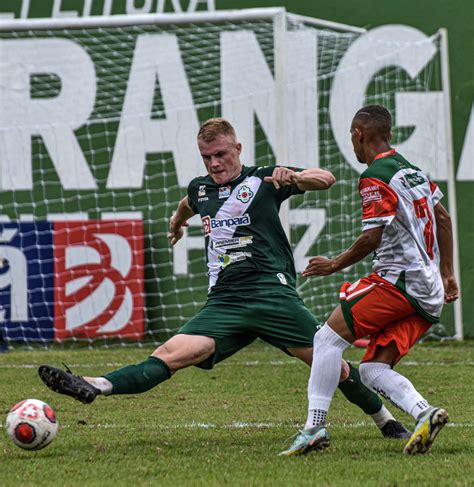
(99, 122)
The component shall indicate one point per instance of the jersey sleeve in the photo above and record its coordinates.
(192, 196)
(283, 192)
(436, 193)
(379, 203)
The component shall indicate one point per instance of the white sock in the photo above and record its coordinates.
(104, 385)
(393, 386)
(325, 373)
(381, 417)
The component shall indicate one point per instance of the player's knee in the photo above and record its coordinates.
(326, 336)
(345, 371)
(163, 351)
(184, 350)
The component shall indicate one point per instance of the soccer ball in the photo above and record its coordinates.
(32, 424)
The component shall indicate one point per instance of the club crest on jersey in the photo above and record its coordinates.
(209, 224)
(202, 190)
(224, 192)
(244, 194)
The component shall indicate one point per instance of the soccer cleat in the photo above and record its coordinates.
(395, 430)
(426, 430)
(315, 438)
(65, 382)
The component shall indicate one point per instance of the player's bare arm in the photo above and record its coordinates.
(444, 235)
(179, 220)
(363, 246)
(307, 180)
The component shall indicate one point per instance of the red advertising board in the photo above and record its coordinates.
(98, 281)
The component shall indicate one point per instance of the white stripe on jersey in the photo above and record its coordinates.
(232, 208)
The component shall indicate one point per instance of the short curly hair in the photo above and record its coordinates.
(376, 116)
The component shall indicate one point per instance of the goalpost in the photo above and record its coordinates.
(98, 119)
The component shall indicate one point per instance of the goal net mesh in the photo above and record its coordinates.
(92, 169)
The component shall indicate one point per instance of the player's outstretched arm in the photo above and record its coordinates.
(306, 180)
(444, 235)
(179, 220)
(363, 246)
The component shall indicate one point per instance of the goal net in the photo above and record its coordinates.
(98, 119)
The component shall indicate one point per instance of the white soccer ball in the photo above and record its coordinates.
(32, 424)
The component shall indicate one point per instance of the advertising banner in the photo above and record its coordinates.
(79, 279)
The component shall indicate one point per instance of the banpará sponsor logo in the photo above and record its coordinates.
(232, 243)
(226, 259)
(209, 224)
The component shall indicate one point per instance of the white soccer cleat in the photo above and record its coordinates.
(307, 440)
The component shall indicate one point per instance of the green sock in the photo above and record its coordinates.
(133, 379)
(360, 395)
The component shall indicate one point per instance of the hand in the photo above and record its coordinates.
(175, 230)
(451, 290)
(319, 266)
(282, 176)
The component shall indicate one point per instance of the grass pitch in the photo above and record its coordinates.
(226, 426)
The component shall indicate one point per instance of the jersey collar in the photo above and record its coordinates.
(389, 153)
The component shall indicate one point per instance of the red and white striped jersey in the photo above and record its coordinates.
(398, 196)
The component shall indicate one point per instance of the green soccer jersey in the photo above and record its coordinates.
(246, 245)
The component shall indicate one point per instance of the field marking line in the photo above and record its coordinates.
(241, 425)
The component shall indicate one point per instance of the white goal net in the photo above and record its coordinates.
(98, 119)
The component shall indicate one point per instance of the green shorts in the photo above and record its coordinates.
(277, 317)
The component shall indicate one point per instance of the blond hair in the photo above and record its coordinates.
(213, 128)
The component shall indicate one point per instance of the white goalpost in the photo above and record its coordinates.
(98, 119)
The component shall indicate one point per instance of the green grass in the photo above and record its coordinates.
(226, 426)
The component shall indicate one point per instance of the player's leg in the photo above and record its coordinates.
(286, 322)
(352, 319)
(177, 353)
(385, 350)
(351, 385)
(209, 337)
(328, 348)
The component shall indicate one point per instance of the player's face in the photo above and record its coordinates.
(357, 138)
(221, 158)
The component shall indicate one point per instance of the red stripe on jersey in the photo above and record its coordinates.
(389, 153)
(433, 187)
(378, 198)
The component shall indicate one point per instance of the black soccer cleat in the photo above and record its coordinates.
(395, 429)
(65, 382)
